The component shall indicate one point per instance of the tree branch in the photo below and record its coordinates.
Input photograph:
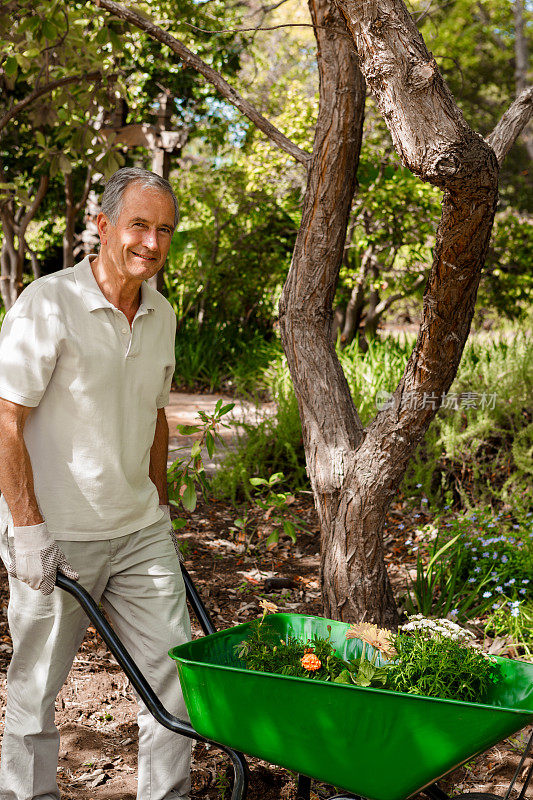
(511, 124)
(36, 202)
(190, 59)
(49, 87)
(85, 193)
(384, 305)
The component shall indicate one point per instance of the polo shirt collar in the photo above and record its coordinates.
(93, 296)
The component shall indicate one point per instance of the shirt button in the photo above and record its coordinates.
(124, 330)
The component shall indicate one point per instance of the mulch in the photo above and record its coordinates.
(96, 709)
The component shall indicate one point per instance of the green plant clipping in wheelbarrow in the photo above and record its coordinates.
(436, 658)
(372, 741)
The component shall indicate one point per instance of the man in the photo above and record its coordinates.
(86, 363)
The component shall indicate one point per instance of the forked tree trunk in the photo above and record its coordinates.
(355, 473)
(352, 562)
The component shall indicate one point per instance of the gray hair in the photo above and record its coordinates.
(120, 180)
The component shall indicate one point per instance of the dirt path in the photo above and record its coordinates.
(183, 410)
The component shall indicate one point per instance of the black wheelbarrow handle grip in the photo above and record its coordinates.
(141, 685)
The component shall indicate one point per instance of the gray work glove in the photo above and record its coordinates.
(36, 558)
(172, 533)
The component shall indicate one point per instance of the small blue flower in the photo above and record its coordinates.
(504, 559)
(477, 569)
(487, 594)
(495, 606)
(526, 580)
(521, 591)
(516, 527)
(485, 555)
(447, 507)
(424, 500)
(511, 581)
(473, 580)
(499, 589)
(491, 525)
(401, 526)
(416, 516)
(454, 612)
(515, 612)
(418, 485)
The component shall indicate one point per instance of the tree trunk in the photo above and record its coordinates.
(353, 575)
(356, 303)
(10, 268)
(521, 64)
(72, 210)
(70, 223)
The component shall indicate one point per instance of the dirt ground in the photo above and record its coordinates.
(96, 709)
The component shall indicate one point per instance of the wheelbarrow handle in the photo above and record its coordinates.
(141, 685)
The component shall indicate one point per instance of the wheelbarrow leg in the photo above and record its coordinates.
(303, 790)
(434, 792)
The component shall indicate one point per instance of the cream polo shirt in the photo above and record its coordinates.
(95, 385)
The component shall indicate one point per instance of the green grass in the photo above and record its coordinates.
(218, 357)
(479, 453)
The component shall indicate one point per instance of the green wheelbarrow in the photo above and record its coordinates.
(372, 743)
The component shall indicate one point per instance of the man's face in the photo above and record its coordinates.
(138, 244)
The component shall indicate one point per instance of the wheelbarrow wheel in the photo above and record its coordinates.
(477, 796)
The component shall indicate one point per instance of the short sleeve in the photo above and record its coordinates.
(164, 395)
(29, 347)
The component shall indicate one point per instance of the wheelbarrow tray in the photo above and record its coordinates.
(377, 743)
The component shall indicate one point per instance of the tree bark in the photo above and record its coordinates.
(356, 473)
(331, 428)
(512, 124)
(14, 226)
(72, 210)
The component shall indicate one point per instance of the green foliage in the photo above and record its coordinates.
(467, 453)
(264, 651)
(218, 356)
(276, 506)
(273, 446)
(433, 658)
(229, 259)
(478, 66)
(438, 666)
(186, 476)
(473, 566)
(276, 445)
(514, 622)
(506, 287)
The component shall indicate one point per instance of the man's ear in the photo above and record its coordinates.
(103, 224)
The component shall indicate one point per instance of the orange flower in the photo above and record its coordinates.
(310, 662)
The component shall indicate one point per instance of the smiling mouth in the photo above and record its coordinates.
(145, 258)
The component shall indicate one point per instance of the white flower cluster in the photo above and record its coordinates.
(444, 628)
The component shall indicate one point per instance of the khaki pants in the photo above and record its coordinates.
(138, 580)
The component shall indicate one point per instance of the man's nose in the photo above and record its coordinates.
(150, 239)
